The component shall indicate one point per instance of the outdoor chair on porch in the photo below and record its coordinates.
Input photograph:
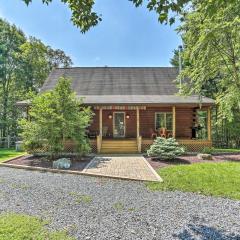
(105, 131)
(169, 134)
(162, 132)
(153, 134)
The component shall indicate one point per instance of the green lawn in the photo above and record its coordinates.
(216, 179)
(226, 150)
(19, 227)
(6, 154)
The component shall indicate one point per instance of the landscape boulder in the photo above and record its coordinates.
(204, 156)
(62, 163)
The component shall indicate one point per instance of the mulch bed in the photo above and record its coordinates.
(35, 161)
(156, 164)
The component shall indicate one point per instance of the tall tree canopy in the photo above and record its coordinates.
(212, 47)
(211, 62)
(85, 17)
(24, 65)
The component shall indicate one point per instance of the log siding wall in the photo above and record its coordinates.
(184, 121)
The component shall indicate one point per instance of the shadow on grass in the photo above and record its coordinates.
(204, 232)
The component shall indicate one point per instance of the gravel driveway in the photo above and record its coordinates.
(95, 208)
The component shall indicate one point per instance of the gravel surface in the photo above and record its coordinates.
(95, 208)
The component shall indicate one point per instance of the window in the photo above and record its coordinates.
(163, 120)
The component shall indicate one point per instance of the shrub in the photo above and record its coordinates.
(56, 116)
(166, 149)
(208, 150)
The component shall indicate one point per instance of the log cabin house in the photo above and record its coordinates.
(133, 105)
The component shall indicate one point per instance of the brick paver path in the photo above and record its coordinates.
(125, 167)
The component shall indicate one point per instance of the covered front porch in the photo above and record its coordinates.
(132, 128)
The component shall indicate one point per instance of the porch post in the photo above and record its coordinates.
(209, 124)
(139, 138)
(174, 121)
(100, 122)
(99, 137)
(138, 124)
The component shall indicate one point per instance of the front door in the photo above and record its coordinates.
(119, 124)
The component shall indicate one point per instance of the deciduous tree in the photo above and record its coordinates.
(85, 17)
(57, 116)
(24, 65)
(212, 47)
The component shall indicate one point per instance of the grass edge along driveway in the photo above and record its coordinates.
(212, 179)
(7, 154)
(19, 226)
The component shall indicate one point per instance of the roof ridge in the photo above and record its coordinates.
(111, 67)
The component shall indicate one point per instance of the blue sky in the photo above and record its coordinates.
(127, 36)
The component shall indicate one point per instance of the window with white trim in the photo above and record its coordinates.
(163, 120)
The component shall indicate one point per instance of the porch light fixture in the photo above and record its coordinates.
(127, 116)
(110, 116)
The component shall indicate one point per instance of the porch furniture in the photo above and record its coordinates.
(104, 131)
(92, 134)
(162, 132)
(153, 134)
(169, 134)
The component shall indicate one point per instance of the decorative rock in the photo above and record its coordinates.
(204, 156)
(62, 163)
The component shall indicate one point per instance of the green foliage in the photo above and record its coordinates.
(175, 59)
(56, 116)
(118, 206)
(81, 198)
(226, 134)
(11, 39)
(24, 65)
(19, 226)
(57, 58)
(226, 150)
(84, 17)
(212, 46)
(214, 179)
(220, 150)
(33, 64)
(208, 150)
(166, 149)
(7, 154)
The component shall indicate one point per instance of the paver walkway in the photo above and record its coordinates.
(125, 167)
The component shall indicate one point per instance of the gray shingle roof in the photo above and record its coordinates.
(122, 84)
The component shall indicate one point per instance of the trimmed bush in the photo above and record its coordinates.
(166, 149)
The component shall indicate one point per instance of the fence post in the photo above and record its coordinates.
(8, 141)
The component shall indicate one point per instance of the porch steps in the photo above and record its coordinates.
(119, 146)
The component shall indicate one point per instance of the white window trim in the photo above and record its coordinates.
(124, 114)
(165, 118)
